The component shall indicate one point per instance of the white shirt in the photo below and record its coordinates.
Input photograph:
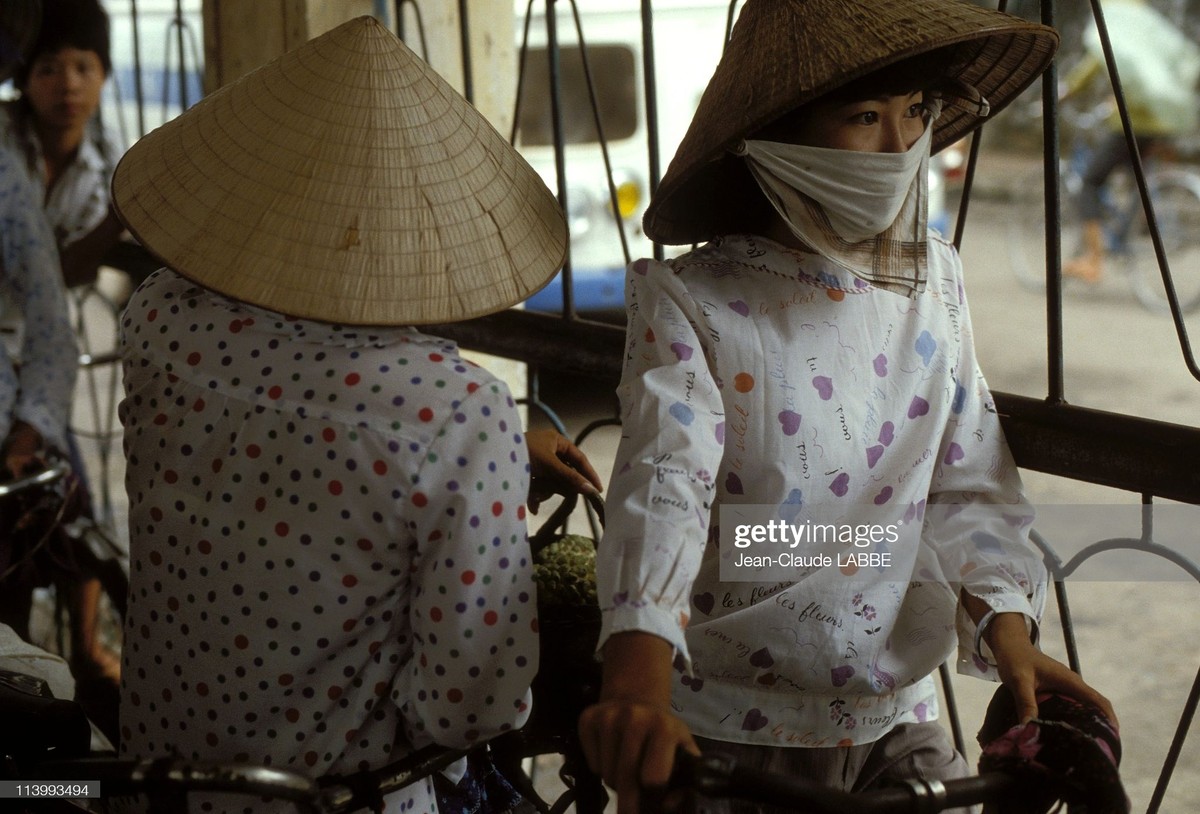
(329, 562)
(757, 375)
(80, 198)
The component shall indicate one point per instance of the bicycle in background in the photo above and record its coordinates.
(1174, 188)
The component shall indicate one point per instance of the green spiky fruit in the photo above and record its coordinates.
(565, 572)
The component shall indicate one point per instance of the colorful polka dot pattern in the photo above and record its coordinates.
(328, 540)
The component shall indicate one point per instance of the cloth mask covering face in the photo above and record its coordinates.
(866, 212)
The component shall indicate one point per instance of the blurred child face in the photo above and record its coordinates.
(64, 88)
(884, 124)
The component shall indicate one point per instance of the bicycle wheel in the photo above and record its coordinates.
(1176, 197)
(1026, 230)
(1027, 226)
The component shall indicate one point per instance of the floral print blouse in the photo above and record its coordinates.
(329, 557)
(756, 376)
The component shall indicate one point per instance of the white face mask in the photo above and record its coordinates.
(861, 193)
(865, 212)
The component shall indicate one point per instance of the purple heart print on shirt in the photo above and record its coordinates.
(790, 421)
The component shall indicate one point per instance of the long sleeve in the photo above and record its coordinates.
(662, 485)
(473, 609)
(978, 518)
(39, 391)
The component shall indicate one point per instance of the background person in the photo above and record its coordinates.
(69, 156)
(1159, 67)
(37, 361)
(330, 565)
(815, 359)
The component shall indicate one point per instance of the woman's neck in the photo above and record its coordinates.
(775, 228)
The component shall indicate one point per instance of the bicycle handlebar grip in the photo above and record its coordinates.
(36, 724)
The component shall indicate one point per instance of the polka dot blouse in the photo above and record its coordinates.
(328, 544)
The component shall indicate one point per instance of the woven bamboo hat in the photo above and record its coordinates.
(784, 53)
(19, 23)
(345, 182)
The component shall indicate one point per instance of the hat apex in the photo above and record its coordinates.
(345, 181)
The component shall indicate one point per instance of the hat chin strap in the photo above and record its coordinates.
(964, 96)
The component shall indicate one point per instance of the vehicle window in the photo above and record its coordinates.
(612, 70)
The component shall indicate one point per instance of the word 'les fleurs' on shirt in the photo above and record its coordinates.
(760, 376)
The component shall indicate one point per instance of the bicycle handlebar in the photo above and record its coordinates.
(718, 775)
(713, 775)
(169, 780)
(51, 474)
(173, 778)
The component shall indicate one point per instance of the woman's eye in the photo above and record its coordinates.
(867, 117)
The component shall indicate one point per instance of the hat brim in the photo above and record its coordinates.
(784, 54)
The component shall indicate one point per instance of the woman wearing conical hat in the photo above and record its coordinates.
(813, 505)
(326, 505)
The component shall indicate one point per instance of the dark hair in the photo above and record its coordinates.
(81, 24)
(923, 72)
(931, 71)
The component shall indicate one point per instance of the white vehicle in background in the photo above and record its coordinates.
(689, 36)
(150, 83)
(688, 39)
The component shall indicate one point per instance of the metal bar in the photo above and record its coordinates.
(1181, 731)
(179, 24)
(649, 78)
(960, 742)
(1125, 452)
(1139, 174)
(137, 69)
(464, 33)
(598, 121)
(546, 341)
(1055, 367)
(553, 58)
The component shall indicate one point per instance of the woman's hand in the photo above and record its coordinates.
(23, 450)
(631, 736)
(557, 467)
(1027, 671)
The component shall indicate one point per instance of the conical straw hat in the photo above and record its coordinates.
(19, 23)
(345, 182)
(784, 53)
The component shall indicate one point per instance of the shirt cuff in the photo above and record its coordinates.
(974, 655)
(647, 618)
